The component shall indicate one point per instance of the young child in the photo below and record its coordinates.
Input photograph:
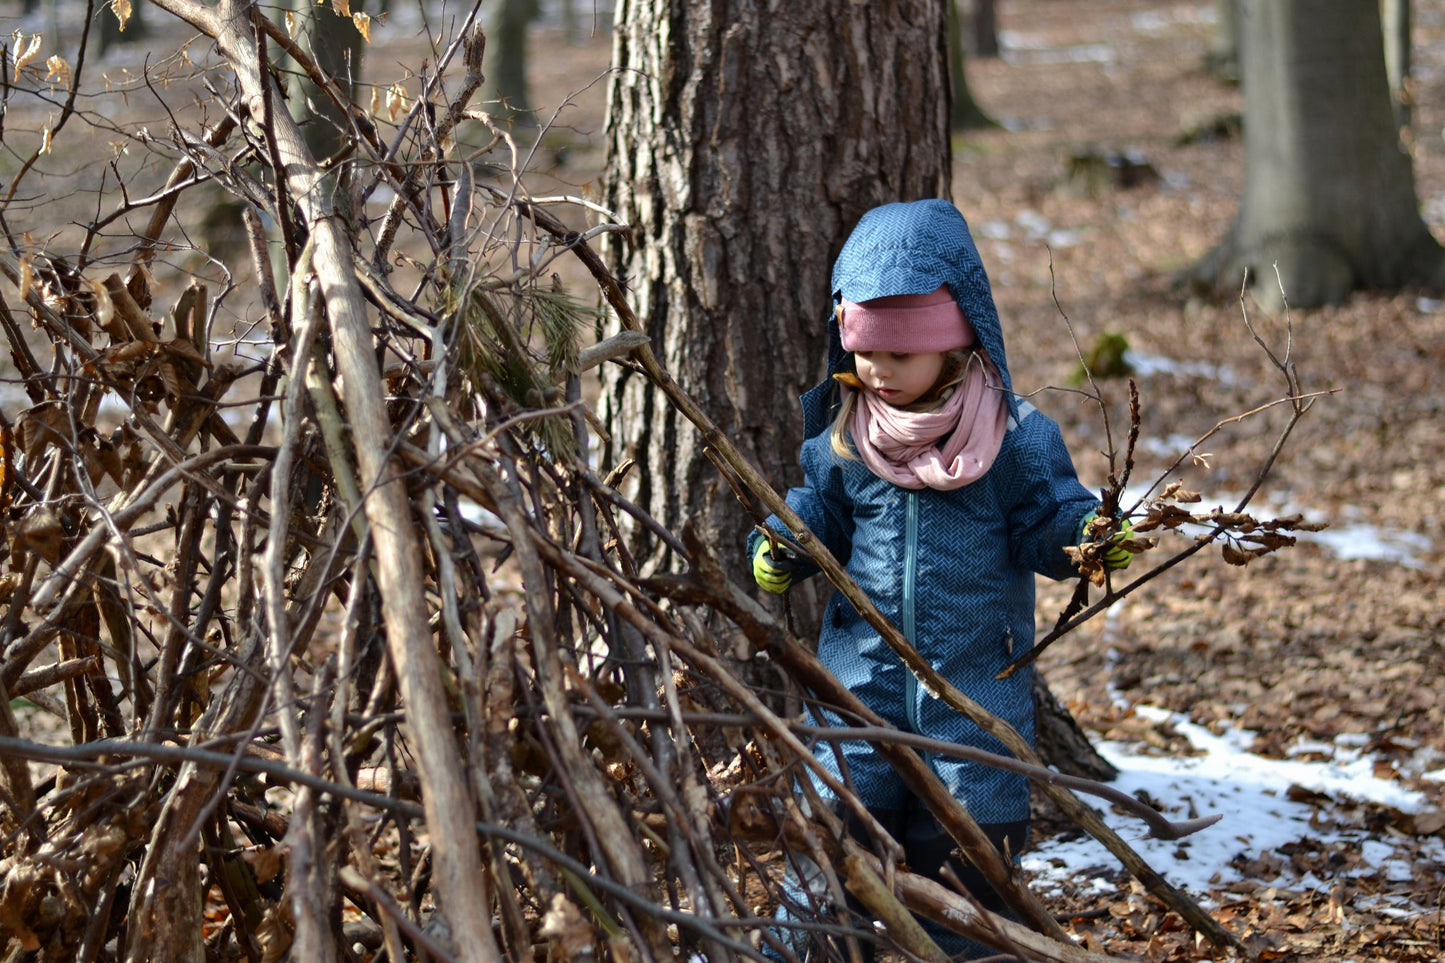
(943, 494)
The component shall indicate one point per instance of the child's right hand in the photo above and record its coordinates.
(773, 575)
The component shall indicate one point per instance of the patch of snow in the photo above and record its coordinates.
(1152, 364)
(1373, 542)
(1250, 792)
(997, 230)
(1162, 21)
(1034, 224)
(1017, 49)
(1169, 447)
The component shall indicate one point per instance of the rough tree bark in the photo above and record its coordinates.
(1329, 195)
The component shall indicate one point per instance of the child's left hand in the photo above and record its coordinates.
(1101, 551)
(772, 573)
(1117, 557)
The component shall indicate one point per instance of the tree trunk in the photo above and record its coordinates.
(1223, 58)
(966, 113)
(1395, 16)
(507, 23)
(1329, 195)
(745, 145)
(1060, 741)
(985, 28)
(334, 42)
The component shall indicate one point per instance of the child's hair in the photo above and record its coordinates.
(955, 366)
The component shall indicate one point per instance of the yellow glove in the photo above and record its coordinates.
(773, 575)
(1116, 556)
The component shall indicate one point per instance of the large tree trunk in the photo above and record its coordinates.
(1329, 196)
(741, 166)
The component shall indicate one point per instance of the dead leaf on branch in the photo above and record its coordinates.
(43, 425)
(566, 929)
(122, 11)
(58, 70)
(39, 532)
(1246, 537)
(1235, 555)
(24, 57)
(266, 862)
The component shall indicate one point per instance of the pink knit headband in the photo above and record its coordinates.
(905, 323)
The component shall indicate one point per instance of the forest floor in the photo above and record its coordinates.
(1325, 651)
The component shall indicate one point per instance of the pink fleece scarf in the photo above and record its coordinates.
(903, 447)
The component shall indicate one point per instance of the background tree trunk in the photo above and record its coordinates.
(966, 112)
(1329, 194)
(1223, 58)
(984, 21)
(507, 22)
(110, 31)
(741, 167)
(335, 44)
(1395, 17)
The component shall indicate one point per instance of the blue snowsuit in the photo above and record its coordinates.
(954, 570)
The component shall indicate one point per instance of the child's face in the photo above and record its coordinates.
(899, 379)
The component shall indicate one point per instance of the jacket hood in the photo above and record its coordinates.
(912, 248)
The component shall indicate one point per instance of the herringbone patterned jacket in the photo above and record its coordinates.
(953, 570)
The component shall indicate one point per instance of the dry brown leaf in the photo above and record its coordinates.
(567, 930)
(27, 276)
(40, 426)
(23, 57)
(266, 862)
(39, 532)
(184, 348)
(57, 69)
(395, 101)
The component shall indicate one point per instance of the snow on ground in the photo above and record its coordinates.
(1267, 805)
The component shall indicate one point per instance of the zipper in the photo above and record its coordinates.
(910, 622)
